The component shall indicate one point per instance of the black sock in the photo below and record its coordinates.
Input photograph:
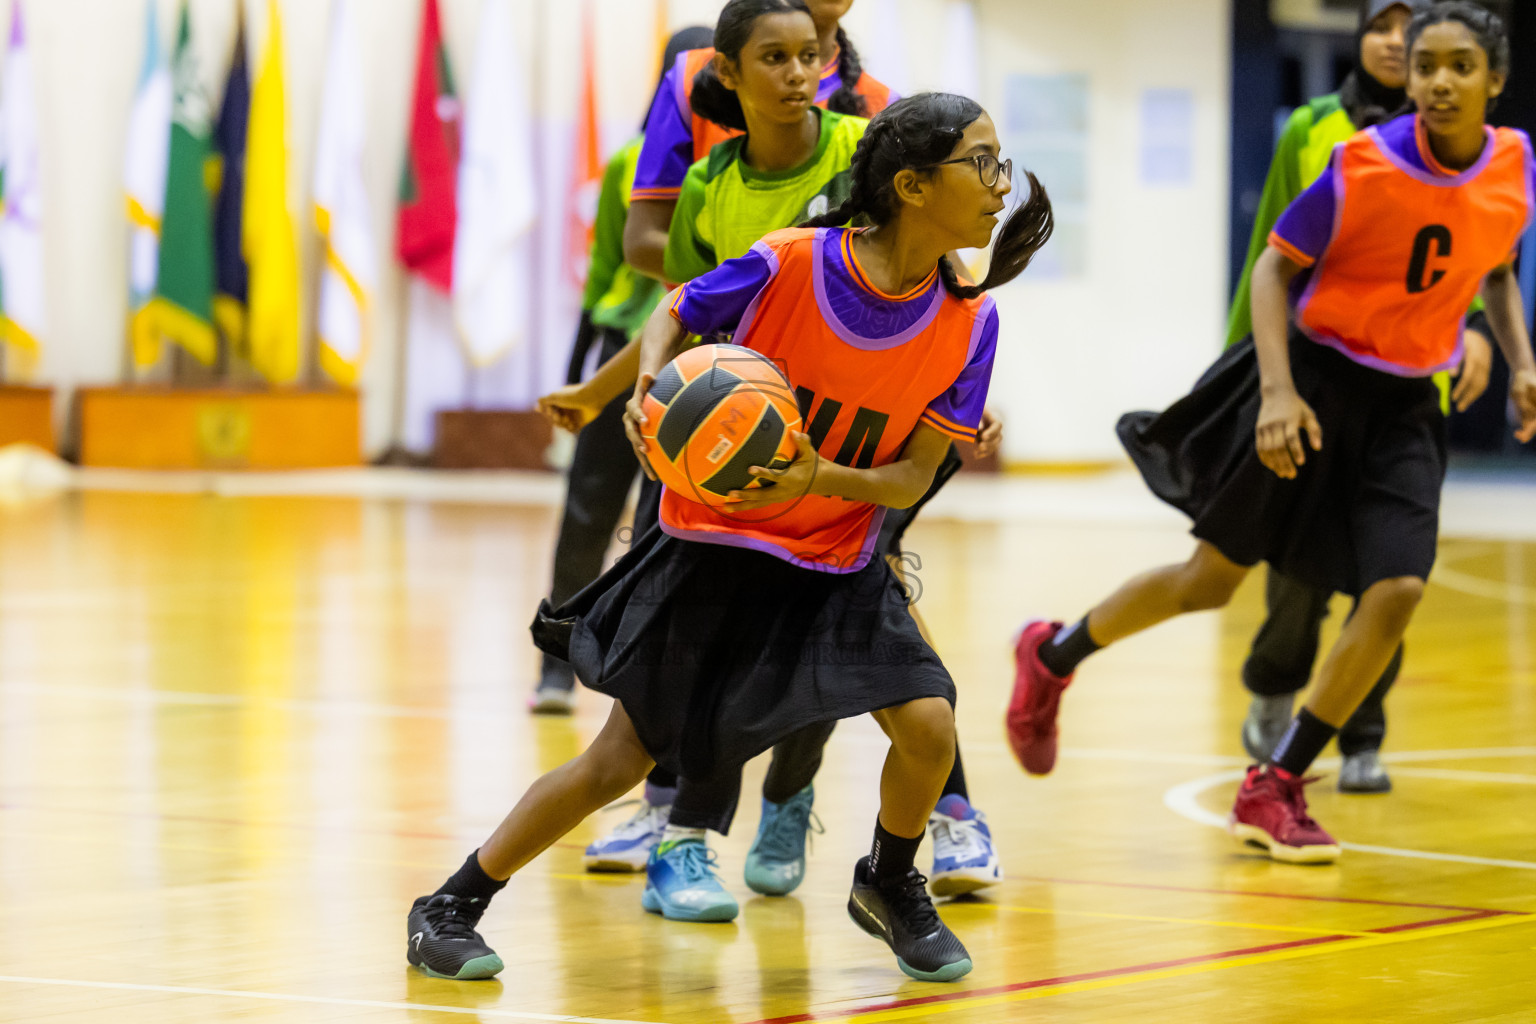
(471, 882)
(955, 784)
(891, 857)
(1068, 649)
(1302, 742)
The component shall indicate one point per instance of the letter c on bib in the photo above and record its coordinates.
(1438, 238)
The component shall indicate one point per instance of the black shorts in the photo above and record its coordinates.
(1364, 509)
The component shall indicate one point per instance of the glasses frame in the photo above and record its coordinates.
(1004, 167)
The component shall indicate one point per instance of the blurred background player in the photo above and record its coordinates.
(1321, 449)
(679, 137)
(1286, 645)
(614, 307)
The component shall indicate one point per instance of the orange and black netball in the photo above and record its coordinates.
(712, 414)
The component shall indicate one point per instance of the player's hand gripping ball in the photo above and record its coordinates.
(712, 414)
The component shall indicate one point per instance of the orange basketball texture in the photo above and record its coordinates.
(713, 413)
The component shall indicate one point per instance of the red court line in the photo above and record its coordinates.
(1113, 972)
(1264, 895)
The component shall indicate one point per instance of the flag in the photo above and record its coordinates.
(436, 373)
(273, 317)
(149, 143)
(182, 309)
(663, 36)
(350, 274)
(493, 258)
(228, 249)
(428, 187)
(587, 167)
(23, 304)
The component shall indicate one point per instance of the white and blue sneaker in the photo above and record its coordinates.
(681, 884)
(776, 862)
(964, 859)
(628, 847)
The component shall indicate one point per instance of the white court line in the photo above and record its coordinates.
(280, 997)
(1183, 800)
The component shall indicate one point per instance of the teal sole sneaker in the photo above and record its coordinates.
(681, 884)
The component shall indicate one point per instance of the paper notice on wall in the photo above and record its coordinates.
(1046, 131)
(1167, 138)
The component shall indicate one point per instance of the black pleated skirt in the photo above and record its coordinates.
(717, 653)
(1364, 509)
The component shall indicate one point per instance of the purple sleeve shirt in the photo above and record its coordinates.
(716, 302)
(1305, 228)
(957, 412)
(667, 152)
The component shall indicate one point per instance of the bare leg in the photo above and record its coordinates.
(560, 799)
(1363, 650)
(1205, 582)
(922, 751)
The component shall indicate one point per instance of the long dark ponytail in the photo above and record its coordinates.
(711, 99)
(915, 134)
(847, 99)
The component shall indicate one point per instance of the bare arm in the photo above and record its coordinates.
(1506, 315)
(660, 340)
(898, 484)
(575, 405)
(1282, 414)
(645, 235)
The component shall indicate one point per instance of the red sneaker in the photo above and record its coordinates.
(1035, 702)
(1272, 812)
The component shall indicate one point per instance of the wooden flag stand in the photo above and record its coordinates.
(26, 417)
(219, 428)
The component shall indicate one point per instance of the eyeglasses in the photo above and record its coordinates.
(988, 168)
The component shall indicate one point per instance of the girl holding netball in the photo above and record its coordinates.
(793, 159)
(710, 633)
(1319, 446)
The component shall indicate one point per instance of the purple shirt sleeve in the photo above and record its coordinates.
(667, 152)
(957, 412)
(1305, 228)
(716, 302)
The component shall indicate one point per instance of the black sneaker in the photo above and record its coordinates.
(902, 916)
(443, 942)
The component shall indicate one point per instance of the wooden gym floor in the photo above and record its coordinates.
(239, 734)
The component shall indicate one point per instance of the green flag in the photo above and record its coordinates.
(182, 309)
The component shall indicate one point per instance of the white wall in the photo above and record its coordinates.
(1074, 355)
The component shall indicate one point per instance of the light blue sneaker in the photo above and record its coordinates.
(681, 884)
(964, 858)
(776, 862)
(628, 847)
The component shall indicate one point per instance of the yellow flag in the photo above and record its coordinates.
(272, 338)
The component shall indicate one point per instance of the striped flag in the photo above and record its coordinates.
(350, 274)
(270, 251)
(182, 310)
(149, 143)
(23, 302)
(493, 259)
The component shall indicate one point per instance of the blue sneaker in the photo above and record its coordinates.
(964, 859)
(776, 862)
(628, 847)
(681, 884)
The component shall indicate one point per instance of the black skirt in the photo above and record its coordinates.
(1364, 509)
(717, 653)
